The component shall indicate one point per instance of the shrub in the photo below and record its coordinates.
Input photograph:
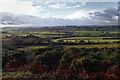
(95, 65)
(46, 62)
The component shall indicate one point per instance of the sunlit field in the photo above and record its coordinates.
(70, 53)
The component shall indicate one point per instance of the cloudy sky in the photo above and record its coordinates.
(58, 13)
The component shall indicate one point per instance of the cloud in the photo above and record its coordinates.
(34, 7)
(55, 0)
(59, 4)
(78, 15)
(103, 0)
(108, 16)
(12, 19)
(12, 6)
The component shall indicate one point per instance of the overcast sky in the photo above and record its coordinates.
(53, 12)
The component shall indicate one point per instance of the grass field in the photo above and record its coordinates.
(110, 41)
(22, 58)
(88, 32)
(94, 39)
(78, 46)
(95, 46)
(31, 48)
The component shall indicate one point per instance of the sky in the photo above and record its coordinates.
(58, 13)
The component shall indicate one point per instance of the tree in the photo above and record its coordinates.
(60, 41)
(82, 42)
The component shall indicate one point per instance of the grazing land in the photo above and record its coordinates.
(63, 52)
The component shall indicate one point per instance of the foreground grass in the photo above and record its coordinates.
(16, 74)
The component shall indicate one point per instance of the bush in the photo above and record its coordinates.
(95, 65)
(86, 64)
(46, 62)
(114, 69)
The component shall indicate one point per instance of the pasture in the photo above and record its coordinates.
(86, 39)
(29, 52)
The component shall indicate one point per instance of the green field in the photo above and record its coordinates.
(95, 33)
(94, 39)
(88, 32)
(77, 46)
(52, 52)
(31, 48)
(95, 46)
